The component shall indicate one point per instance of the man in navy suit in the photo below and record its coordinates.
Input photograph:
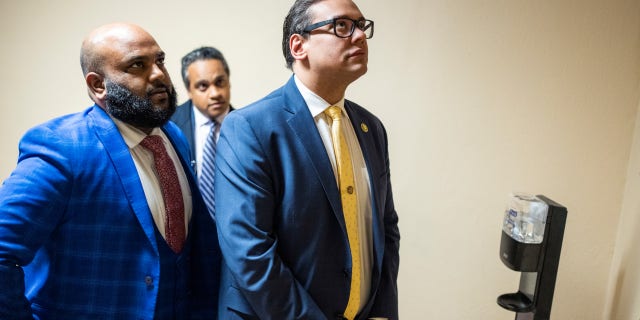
(280, 219)
(205, 74)
(88, 229)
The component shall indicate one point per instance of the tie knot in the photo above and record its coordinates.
(153, 143)
(334, 112)
(214, 127)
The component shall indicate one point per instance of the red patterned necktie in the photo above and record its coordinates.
(171, 193)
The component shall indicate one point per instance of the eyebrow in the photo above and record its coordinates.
(347, 17)
(159, 55)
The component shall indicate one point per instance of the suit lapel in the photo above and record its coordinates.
(304, 127)
(120, 156)
(182, 150)
(366, 137)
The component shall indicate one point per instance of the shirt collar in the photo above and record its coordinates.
(199, 118)
(133, 136)
(202, 120)
(315, 103)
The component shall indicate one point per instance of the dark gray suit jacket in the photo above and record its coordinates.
(184, 119)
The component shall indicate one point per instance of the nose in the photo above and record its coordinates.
(358, 35)
(213, 93)
(158, 73)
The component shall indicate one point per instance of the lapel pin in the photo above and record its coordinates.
(364, 127)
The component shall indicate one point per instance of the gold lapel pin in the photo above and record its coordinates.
(364, 127)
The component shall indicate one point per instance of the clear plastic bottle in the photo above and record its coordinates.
(525, 218)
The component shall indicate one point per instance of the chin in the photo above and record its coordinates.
(359, 72)
(213, 114)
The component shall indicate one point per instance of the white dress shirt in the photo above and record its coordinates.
(202, 128)
(145, 165)
(317, 106)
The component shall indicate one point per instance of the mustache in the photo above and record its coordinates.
(159, 88)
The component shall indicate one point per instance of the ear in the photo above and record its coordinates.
(297, 48)
(96, 85)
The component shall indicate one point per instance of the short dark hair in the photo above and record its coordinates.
(202, 53)
(90, 61)
(296, 20)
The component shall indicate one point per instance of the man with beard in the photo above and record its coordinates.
(102, 217)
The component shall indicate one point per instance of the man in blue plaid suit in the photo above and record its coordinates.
(82, 216)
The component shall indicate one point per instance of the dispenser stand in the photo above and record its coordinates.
(535, 294)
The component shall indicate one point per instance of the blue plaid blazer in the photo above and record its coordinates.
(76, 234)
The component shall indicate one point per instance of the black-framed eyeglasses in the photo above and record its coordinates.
(344, 27)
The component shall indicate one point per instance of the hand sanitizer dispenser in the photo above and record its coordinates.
(532, 233)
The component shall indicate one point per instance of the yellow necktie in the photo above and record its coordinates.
(346, 183)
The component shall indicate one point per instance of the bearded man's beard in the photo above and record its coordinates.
(137, 111)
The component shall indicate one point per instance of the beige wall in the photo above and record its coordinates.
(480, 98)
(624, 285)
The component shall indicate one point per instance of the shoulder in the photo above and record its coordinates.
(268, 106)
(68, 141)
(363, 118)
(182, 113)
(283, 101)
(258, 121)
(355, 110)
(361, 111)
(71, 127)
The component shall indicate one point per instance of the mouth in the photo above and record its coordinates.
(357, 53)
(218, 104)
(159, 92)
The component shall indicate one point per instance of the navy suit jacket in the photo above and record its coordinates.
(184, 119)
(77, 237)
(279, 217)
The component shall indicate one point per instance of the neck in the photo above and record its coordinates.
(329, 89)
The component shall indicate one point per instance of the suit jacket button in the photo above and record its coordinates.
(148, 280)
(347, 272)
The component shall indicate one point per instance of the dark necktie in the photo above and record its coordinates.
(207, 175)
(175, 232)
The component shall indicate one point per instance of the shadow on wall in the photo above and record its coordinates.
(627, 287)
